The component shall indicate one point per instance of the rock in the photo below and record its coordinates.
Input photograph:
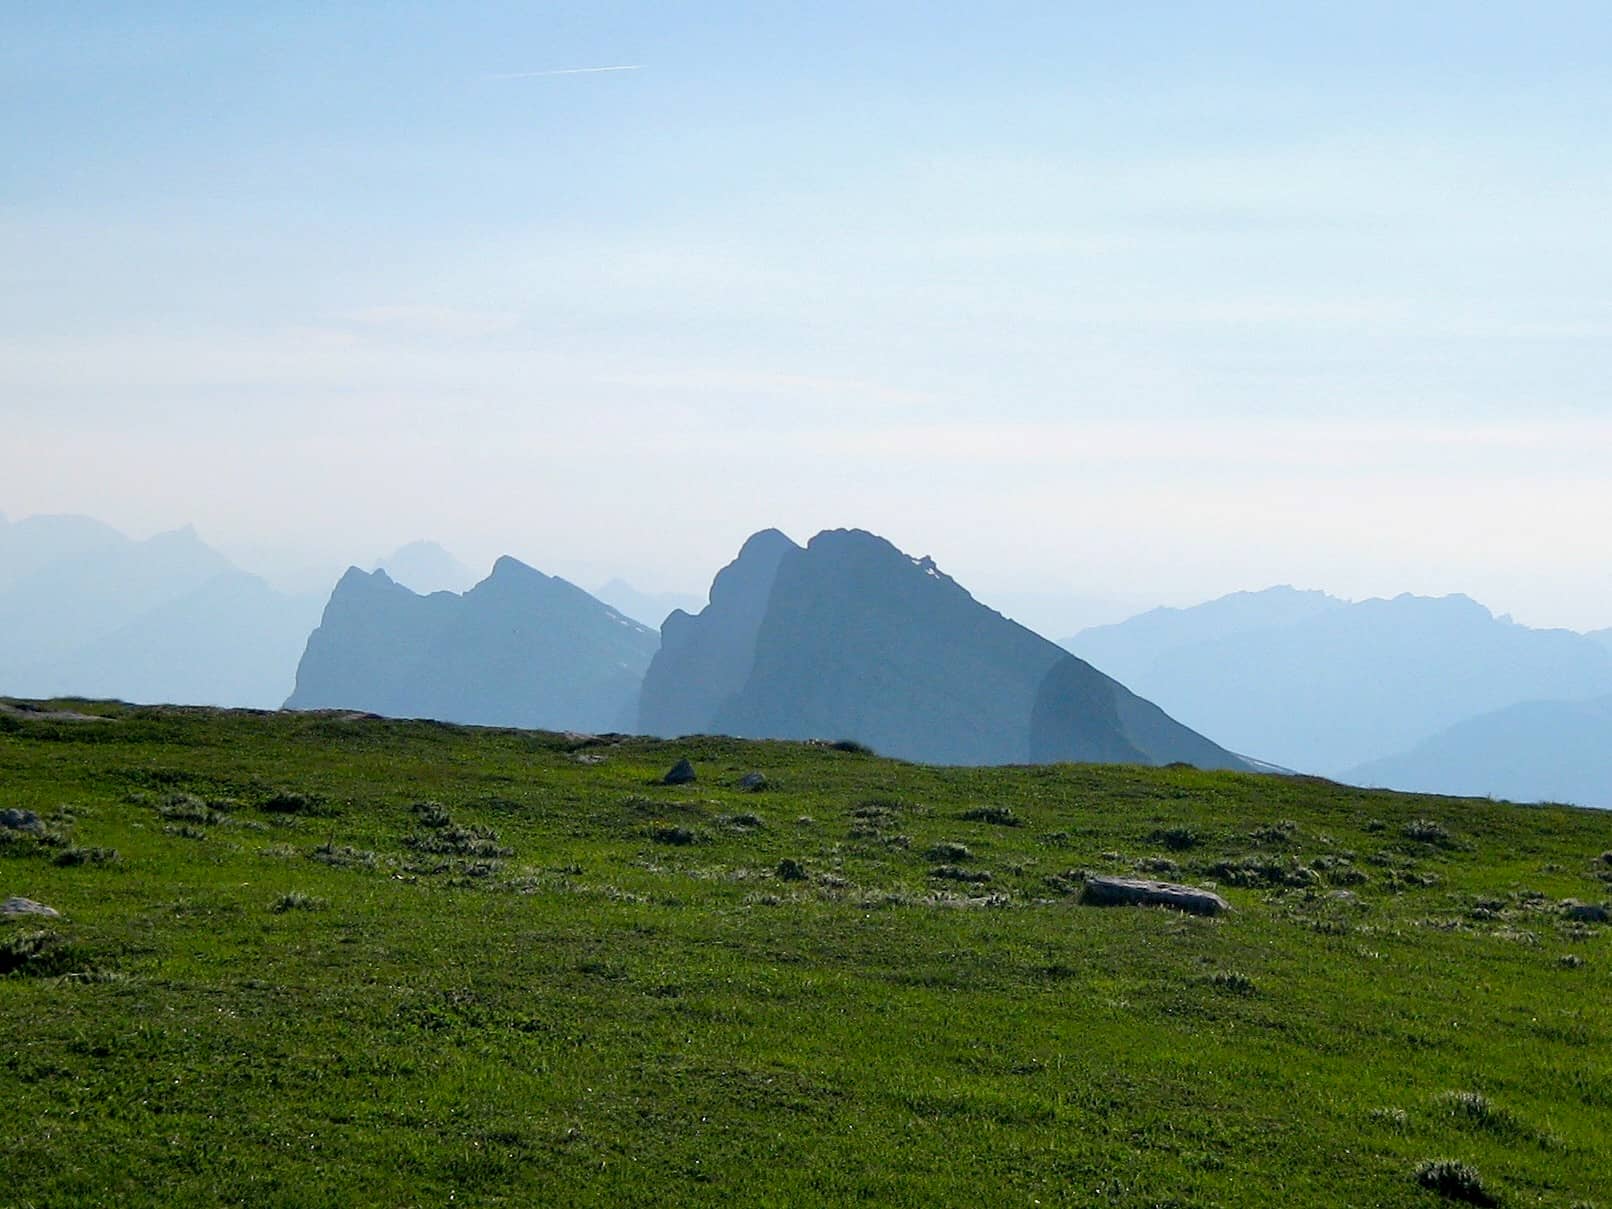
(19, 820)
(1588, 913)
(1136, 892)
(753, 782)
(25, 906)
(682, 773)
(587, 757)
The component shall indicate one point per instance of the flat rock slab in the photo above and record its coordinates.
(1137, 892)
(25, 906)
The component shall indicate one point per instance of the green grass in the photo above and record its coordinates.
(331, 961)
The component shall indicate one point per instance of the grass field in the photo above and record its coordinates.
(318, 960)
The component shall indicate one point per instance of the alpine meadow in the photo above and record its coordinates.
(329, 959)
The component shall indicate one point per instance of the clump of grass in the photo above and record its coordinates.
(1393, 1118)
(1426, 831)
(744, 822)
(1477, 1110)
(286, 801)
(950, 853)
(296, 900)
(1456, 1181)
(73, 854)
(1259, 870)
(670, 833)
(39, 951)
(1157, 864)
(344, 856)
(431, 814)
(1232, 981)
(188, 808)
(997, 816)
(1176, 839)
(184, 831)
(956, 873)
(791, 870)
(1279, 832)
(458, 839)
(852, 746)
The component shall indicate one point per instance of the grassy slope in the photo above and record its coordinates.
(603, 1018)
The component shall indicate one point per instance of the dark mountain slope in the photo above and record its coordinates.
(857, 640)
(519, 649)
(705, 659)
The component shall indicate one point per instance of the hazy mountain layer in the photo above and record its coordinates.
(850, 638)
(1555, 751)
(232, 641)
(85, 610)
(1321, 685)
(425, 567)
(519, 649)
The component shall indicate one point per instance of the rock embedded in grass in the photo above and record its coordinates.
(19, 820)
(753, 782)
(25, 906)
(1586, 913)
(1138, 892)
(681, 773)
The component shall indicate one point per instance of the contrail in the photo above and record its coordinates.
(564, 71)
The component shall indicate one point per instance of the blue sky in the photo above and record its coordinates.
(1149, 302)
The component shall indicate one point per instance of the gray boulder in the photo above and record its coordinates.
(1137, 892)
(19, 820)
(25, 906)
(682, 773)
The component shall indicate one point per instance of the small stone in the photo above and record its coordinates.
(752, 782)
(25, 906)
(682, 773)
(19, 820)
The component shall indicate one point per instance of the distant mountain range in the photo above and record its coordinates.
(86, 611)
(1550, 751)
(846, 637)
(1324, 685)
(850, 638)
(519, 649)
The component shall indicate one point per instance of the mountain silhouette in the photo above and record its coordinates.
(850, 638)
(1322, 685)
(519, 649)
(1535, 751)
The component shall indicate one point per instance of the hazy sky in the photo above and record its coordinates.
(1155, 301)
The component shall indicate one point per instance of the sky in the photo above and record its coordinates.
(1093, 303)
